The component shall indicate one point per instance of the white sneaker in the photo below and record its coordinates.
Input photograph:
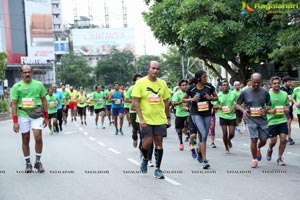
(238, 130)
(150, 164)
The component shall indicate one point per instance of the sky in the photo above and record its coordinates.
(145, 43)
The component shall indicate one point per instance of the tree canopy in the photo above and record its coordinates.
(3, 62)
(217, 32)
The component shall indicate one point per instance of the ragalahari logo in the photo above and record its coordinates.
(246, 8)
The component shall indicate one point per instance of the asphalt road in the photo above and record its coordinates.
(88, 163)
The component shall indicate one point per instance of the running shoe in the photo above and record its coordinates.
(72, 119)
(121, 132)
(238, 130)
(269, 155)
(28, 168)
(290, 141)
(60, 128)
(280, 162)
(229, 144)
(212, 145)
(116, 133)
(85, 123)
(187, 138)
(181, 147)
(38, 165)
(81, 123)
(135, 143)
(205, 164)
(158, 174)
(144, 166)
(194, 154)
(199, 158)
(65, 122)
(96, 127)
(258, 156)
(103, 127)
(254, 164)
(52, 130)
(75, 119)
(150, 164)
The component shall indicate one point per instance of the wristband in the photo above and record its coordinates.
(15, 119)
(46, 115)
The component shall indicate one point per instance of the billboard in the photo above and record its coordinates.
(61, 47)
(39, 29)
(100, 41)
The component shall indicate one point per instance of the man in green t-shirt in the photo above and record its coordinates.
(226, 110)
(65, 105)
(277, 120)
(30, 111)
(151, 101)
(99, 98)
(181, 114)
(129, 99)
(108, 104)
(53, 102)
(296, 101)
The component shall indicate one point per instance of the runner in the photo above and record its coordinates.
(73, 103)
(290, 116)
(128, 98)
(181, 114)
(60, 108)
(99, 98)
(53, 102)
(296, 101)
(116, 97)
(66, 104)
(151, 98)
(81, 105)
(239, 115)
(127, 106)
(226, 110)
(257, 103)
(30, 111)
(108, 104)
(277, 120)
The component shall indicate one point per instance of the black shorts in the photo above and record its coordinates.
(67, 109)
(81, 111)
(126, 110)
(278, 129)
(227, 122)
(98, 110)
(179, 122)
(52, 116)
(153, 130)
(239, 114)
(192, 126)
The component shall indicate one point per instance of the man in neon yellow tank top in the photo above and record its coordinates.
(151, 99)
(73, 103)
(29, 96)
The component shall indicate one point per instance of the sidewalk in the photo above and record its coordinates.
(5, 116)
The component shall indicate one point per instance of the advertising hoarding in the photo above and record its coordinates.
(61, 47)
(39, 29)
(100, 41)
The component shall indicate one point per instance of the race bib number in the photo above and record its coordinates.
(154, 98)
(118, 101)
(28, 103)
(100, 101)
(279, 110)
(203, 106)
(255, 111)
(52, 104)
(226, 109)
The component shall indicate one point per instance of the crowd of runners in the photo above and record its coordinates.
(148, 105)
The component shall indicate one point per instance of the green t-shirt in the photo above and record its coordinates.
(128, 96)
(126, 105)
(279, 101)
(28, 95)
(82, 100)
(227, 102)
(99, 99)
(180, 111)
(107, 92)
(296, 96)
(237, 93)
(52, 103)
(152, 96)
(67, 96)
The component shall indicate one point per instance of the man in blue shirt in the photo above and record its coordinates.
(61, 98)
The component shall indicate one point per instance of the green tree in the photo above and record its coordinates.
(143, 63)
(3, 62)
(76, 71)
(115, 67)
(216, 32)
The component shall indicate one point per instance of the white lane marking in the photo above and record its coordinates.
(218, 139)
(80, 129)
(76, 125)
(91, 138)
(113, 150)
(85, 133)
(293, 154)
(172, 181)
(70, 132)
(246, 145)
(102, 144)
(134, 161)
(5, 121)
